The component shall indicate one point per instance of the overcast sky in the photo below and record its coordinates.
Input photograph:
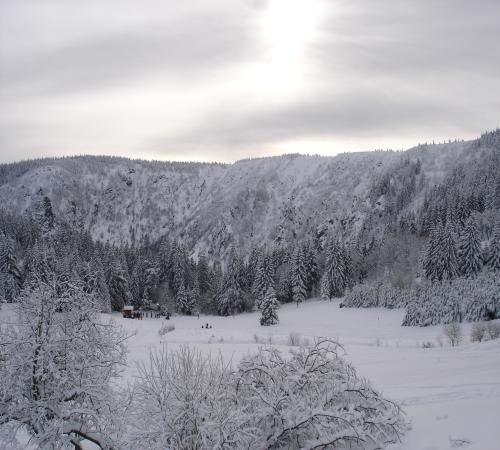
(220, 80)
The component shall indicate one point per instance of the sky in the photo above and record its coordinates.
(221, 80)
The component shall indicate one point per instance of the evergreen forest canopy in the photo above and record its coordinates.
(421, 232)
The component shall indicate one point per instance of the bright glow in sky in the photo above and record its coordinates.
(221, 80)
(289, 25)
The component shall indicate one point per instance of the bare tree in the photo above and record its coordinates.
(453, 332)
(478, 332)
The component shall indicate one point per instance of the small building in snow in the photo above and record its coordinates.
(128, 312)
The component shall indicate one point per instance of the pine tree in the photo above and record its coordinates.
(42, 261)
(184, 302)
(118, 286)
(494, 260)
(325, 287)
(203, 276)
(181, 267)
(312, 276)
(448, 253)
(470, 250)
(165, 260)
(47, 219)
(136, 283)
(231, 299)
(10, 274)
(284, 283)
(299, 276)
(151, 280)
(252, 266)
(433, 268)
(269, 308)
(94, 283)
(337, 271)
(195, 298)
(264, 278)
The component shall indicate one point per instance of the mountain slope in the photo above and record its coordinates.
(213, 206)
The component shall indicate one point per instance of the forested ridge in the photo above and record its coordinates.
(418, 229)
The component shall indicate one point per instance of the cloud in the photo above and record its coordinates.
(176, 80)
(196, 44)
(335, 117)
(422, 71)
(399, 39)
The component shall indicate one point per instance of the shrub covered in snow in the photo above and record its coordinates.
(294, 339)
(314, 399)
(493, 330)
(453, 332)
(485, 331)
(455, 301)
(478, 332)
(183, 400)
(377, 294)
(166, 328)
(309, 399)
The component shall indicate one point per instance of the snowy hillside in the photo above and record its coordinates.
(251, 202)
(450, 394)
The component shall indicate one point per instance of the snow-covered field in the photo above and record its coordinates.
(448, 393)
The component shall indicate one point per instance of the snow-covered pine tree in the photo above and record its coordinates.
(470, 250)
(165, 260)
(136, 283)
(41, 261)
(183, 301)
(348, 269)
(231, 299)
(264, 278)
(433, 268)
(299, 276)
(252, 266)
(151, 281)
(44, 215)
(177, 277)
(336, 276)
(269, 308)
(494, 260)
(215, 298)
(325, 287)
(10, 273)
(203, 277)
(284, 283)
(94, 283)
(118, 286)
(311, 266)
(448, 251)
(195, 298)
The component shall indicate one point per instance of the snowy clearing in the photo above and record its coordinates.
(451, 395)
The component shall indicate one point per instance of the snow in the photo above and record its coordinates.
(448, 393)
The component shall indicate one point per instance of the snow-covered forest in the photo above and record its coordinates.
(82, 237)
(418, 229)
